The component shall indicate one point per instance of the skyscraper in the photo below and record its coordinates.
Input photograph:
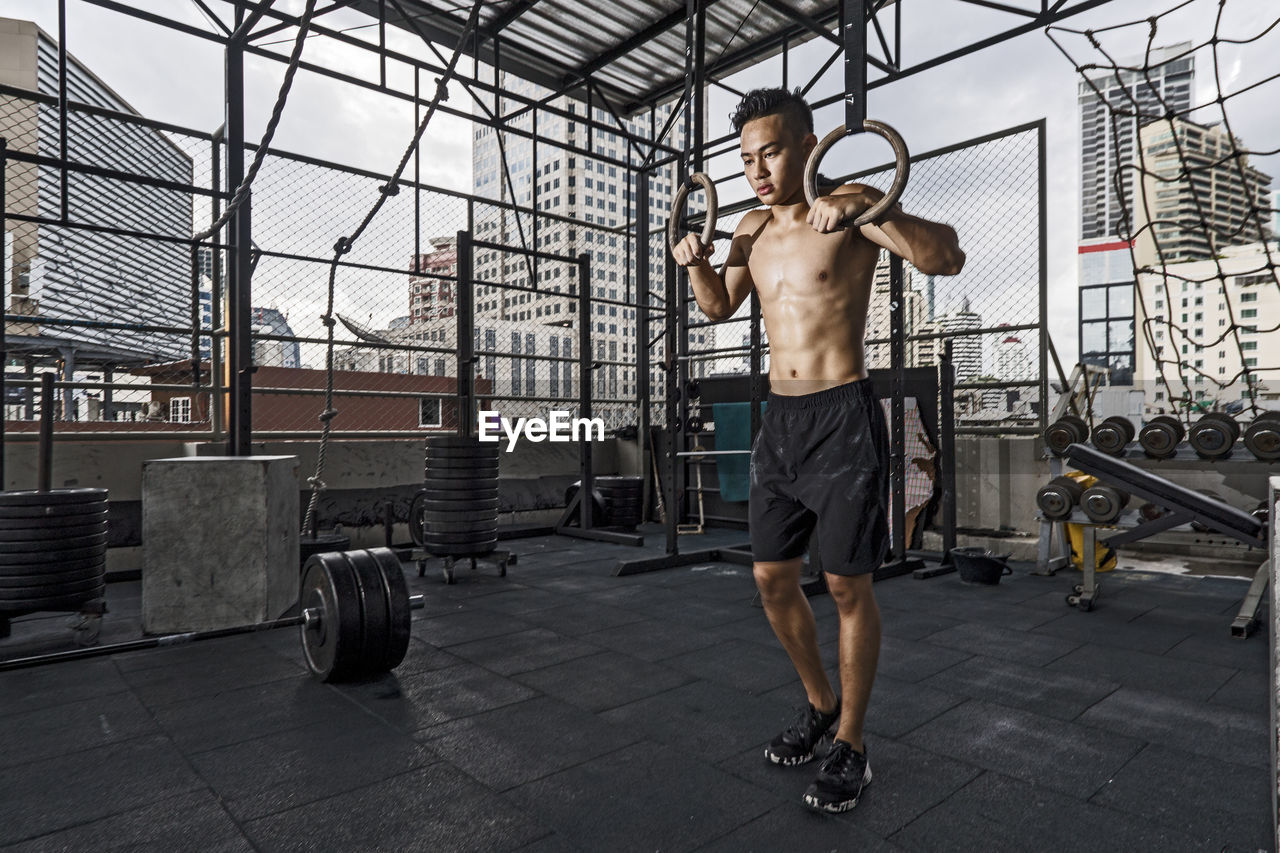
(584, 202)
(1110, 119)
(1199, 194)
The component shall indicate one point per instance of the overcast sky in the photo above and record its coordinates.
(177, 78)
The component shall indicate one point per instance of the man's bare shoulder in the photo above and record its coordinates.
(751, 221)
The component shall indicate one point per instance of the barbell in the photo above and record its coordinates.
(354, 615)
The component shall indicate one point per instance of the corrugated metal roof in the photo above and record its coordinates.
(633, 49)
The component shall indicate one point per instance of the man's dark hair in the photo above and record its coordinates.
(759, 103)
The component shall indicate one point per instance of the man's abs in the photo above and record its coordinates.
(814, 290)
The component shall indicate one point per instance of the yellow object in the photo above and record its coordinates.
(1104, 557)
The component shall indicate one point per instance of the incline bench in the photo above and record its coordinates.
(1181, 506)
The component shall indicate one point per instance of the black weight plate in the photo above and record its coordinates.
(416, 513)
(53, 497)
(457, 459)
(437, 518)
(375, 611)
(55, 602)
(434, 445)
(1262, 438)
(41, 534)
(445, 490)
(50, 590)
(52, 546)
(460, 504)
(33, 515)
(432, 537)
(457, 479)
(51, 522)
(50, 558)
(1210, 438)
(431, 528)
(1231, 424)
(21, 571)
(476, 550)
(39, 578)
(453, 441)
(331, 645)
(397, 593)
(456, 468)
(466, 473)
(617, 480)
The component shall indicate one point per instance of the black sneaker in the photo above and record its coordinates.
(797, 743)
(841, 777)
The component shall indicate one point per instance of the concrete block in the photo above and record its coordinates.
(220, 541)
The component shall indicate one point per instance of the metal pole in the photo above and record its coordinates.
(897, 453)
(4, 308)
(853, 26)
(947, 437)
(466, 337)
(216, 407)
(584, 385)
(1044, 276)
(63, 188)
(642, 325)
(44, 462)
(239, 289)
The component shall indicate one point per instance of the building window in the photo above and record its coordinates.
(180, 410)
(429, 412)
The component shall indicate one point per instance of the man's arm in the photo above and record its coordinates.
(720, 294)
(931, 247)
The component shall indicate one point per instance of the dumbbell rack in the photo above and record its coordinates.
(1132, 526)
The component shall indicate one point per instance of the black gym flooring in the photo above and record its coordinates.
(562, 708)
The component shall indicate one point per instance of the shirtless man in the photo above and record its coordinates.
(822, 455)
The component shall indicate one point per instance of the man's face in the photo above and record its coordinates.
(773, 158)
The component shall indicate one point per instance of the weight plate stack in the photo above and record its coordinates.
(1213, 436)
(622, 500)
(1159, 437)
(53, 549)
(455, 514)
(1064, 432)
(1262, 437)
(599, 511)
(1113, 434)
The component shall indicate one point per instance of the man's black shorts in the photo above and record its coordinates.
(822, 460)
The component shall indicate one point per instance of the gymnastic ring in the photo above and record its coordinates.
(902, 162)
(677, 207)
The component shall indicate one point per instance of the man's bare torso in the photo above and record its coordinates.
(814, 290)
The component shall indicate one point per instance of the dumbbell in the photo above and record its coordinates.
(1113, 434)
(1160, 436)
(1213, 435)
(1064, 432)
(1057, 497)
(1103, 503)
(1262, 437)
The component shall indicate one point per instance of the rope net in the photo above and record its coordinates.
(1187, 195)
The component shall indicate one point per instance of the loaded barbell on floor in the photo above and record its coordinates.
(354, 615)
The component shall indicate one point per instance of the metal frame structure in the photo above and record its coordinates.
(644, 33)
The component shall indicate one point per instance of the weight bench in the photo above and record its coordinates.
(1181, 506)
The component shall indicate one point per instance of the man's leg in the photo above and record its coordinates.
(789, 613)
(859, 646)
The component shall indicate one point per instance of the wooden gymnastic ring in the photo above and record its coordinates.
(677, 207)
(902, 163)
